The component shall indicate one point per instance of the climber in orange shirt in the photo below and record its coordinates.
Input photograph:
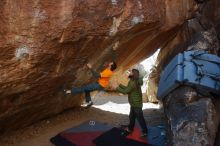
(102, 80)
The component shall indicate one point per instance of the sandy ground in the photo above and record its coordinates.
(102, 111)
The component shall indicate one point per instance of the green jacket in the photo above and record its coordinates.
(134, 93)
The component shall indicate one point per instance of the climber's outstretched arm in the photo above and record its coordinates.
(94, 73)
(114, 48)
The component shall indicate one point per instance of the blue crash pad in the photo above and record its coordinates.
(194, 68)
(156, 135)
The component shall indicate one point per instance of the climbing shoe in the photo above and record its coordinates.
(126, 132)
(87, 104)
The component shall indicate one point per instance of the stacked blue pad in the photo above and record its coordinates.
(194, 68)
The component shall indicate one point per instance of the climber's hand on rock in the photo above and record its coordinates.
(89, 65)
(115, 45)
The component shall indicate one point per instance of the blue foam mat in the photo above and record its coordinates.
(156, 135)
(90, 126)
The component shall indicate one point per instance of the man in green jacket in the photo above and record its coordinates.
(133, 89)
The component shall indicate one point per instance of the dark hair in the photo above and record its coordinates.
(135, 74)
(135, 77)
(113, 66)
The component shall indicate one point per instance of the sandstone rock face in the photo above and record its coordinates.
(45, 45)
